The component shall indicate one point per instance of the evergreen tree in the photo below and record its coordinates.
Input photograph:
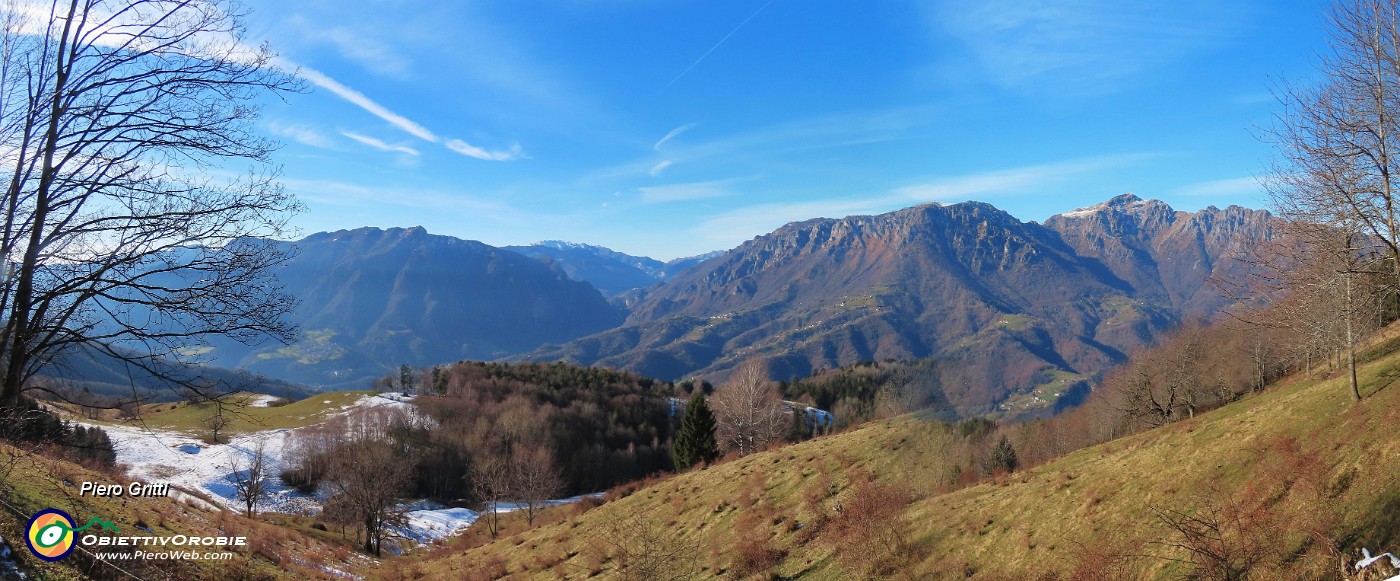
(1003, 457)
(695, 441)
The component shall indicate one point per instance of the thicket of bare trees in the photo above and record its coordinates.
(1336, 178)
(369, 478)
(363, 459)
(525, 476)
(117, 230)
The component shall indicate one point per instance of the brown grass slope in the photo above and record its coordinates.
(30, 482)
(1291, 476)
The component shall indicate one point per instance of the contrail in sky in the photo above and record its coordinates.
(712, 49)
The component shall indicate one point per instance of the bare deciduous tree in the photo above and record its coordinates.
(1339, 144)
(749, 413)
(1328, 286)
(217, 420)
(117, 231)
(250, 481)
(490, 482)
(534, 481)
(1339, 138)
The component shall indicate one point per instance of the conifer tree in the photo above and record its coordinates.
(695, 441)
(1003, 458)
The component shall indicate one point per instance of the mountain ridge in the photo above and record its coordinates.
(1022, 312)
(371, 299)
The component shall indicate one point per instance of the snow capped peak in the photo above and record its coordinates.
(563, 245)
(1124, 201)
(1128, 199)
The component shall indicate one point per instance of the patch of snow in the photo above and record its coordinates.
(1123, 201)
(189, 464)
(1367, 560)
(1085, 212)
(338, 572)
(514, 506)
(194, 468)
(9, 562)
(428, 525)
(262, 400)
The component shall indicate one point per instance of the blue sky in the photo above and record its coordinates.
(670, 128)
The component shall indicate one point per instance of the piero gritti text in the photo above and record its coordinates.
(134, 490)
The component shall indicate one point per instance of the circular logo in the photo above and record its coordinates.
(50, 534)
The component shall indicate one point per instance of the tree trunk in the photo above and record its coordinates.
(1351, 343)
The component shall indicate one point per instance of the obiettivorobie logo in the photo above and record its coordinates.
(52, 534)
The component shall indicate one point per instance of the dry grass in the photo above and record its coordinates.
(1299, 460)
(274, 552)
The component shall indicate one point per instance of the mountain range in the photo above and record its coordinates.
(612, 273)
(1020, 317)
(372, 299)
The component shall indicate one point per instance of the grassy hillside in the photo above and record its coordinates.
(31, 482)
(242, 416)
(1289, 477)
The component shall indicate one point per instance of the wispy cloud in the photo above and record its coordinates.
(515, 152)
(672, 135)
(764, 143)
(716, 45)
(346, 194)
(729, 229)
(1010, 181)
(370, 52)
(686, 191)
(1222, 188)
(732, 227)
(303, 134)
(359, 99)
(660, 167)
(380, 145)
(1082, 44)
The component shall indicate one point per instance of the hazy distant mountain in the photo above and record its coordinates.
(612, 272)
(679, 265)
(1020, 312)
(373, 299)
(82, 367)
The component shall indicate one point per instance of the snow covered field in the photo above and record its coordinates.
(189, 464)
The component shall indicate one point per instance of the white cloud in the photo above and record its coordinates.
(672, 135)
(345, 194)
(303, 134)
(1222, 188)
(1082, 45)
(359, 99)
(686, 191)
(380, 145)
(1010, 181)
(716, 45)
(469, 150)
(321, 80)
(369, 52)
(660, 167)
(764, 143)
(733, 227)
(729, 229)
